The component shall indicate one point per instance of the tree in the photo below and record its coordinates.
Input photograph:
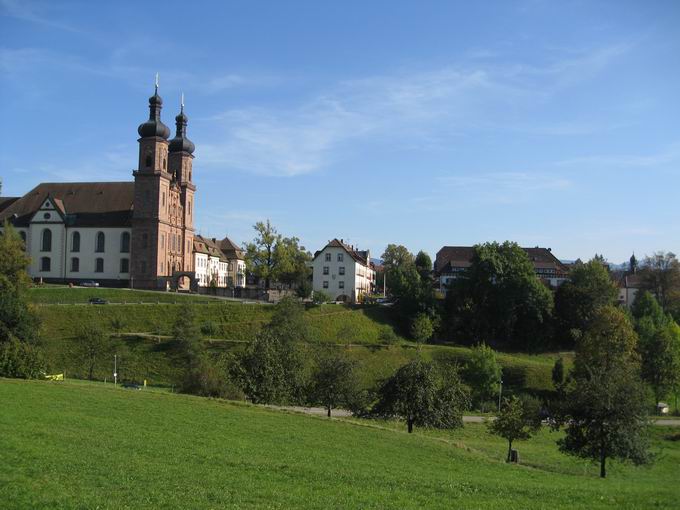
(604, 408)
(17, 319)
(334, 382)
(304, 288)
(661, 276)
(558, 373)
(186, 332)
(320, 297)
(289, 322)
(515, 422)
(577, 300)
(423, 265)
(423, 397)
(421, 328)
(483, 373)
(269, 371)
(499, 299)
(658, 346)
(270, 256)
(93, 343)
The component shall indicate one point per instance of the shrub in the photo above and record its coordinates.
(21, 360)
(210, 328)
(387, 336)
(320, 297)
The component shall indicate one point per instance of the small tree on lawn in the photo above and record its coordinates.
(93, 343)
(515, 422)
(289, 322)
(418, 394)
(605, 403)
(334, 382)
(186, 332)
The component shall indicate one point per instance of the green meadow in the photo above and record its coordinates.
(90, 445)
(145, 351)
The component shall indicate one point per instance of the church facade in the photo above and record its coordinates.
(138, 234)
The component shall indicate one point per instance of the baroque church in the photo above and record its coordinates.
(138, 234)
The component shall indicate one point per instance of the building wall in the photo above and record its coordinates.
(358, 279)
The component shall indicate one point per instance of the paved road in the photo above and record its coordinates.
(342, 413)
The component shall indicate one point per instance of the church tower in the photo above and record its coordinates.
(152, 182)
(181, 151)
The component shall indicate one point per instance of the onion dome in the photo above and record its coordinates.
(181, 143)
(154, 126)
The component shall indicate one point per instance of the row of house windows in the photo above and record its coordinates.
(99, 246)
(46, 265)
(341, 257)
(341, 284)
(341, 270)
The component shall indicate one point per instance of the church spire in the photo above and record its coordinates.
(181, 143)
(154, 126)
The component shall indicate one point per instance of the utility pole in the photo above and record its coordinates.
(500, 392)
(115, 369)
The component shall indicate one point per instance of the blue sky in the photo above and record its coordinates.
(421, 123)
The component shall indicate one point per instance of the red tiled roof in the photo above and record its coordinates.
(360, 256)
(461, 256)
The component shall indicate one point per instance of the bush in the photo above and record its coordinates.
(210, 328)
(387, 336)
(21, 360)
(320, 297)
(206, 378)
(421, 328)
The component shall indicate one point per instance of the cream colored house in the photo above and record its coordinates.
(344, 273)
(218, 263)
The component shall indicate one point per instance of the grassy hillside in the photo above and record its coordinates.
(144, 449)
(145, 352)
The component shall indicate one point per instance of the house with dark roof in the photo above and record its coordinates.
(451, 262)
(343, 271)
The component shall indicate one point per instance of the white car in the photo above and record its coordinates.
(89, 283)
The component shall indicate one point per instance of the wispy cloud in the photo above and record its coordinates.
(665, 156)
(424, 108)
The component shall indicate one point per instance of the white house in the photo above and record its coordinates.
(344, 273)
(218, 263)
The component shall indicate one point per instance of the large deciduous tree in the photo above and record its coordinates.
(658, 345)
(422, 396)
(483, 373)
(500, 300)
(661, 276)
(334, 381)
(605, 406)
(270, 256)
(577, 300)
(17, 319)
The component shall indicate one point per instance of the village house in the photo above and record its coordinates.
(343, 272)
(452, 261)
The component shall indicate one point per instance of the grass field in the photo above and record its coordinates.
(65, 445)
(144, 351)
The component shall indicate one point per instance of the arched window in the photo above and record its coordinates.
(165, 164)
(99, 265)
(100, 242)
(45, 263)
(75, 242)
(149, 161)
(46, 242)
(125, 242)
(124, 265)
(75, 264)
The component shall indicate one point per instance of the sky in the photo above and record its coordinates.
(420, 123)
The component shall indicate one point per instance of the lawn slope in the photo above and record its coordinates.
(66, 445)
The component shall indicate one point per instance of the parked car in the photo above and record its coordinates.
(89, 283)
(132, 386)
(98, 301)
